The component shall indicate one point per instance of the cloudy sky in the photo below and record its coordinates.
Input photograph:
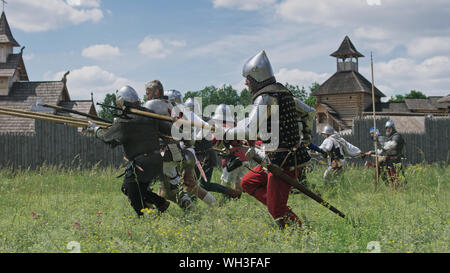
(192, 44)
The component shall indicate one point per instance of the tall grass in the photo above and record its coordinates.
(43, 210)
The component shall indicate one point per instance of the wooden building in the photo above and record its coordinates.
(17, 91)
(346, 94)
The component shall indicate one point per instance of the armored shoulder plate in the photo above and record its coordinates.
(159, 106)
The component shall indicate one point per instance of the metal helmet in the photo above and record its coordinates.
(174, 95)
(390, 123)
(223, 114)
(258, 67)
(327, 130)
(372, 129)
(192, 104)
(128, 94)
(158, 106)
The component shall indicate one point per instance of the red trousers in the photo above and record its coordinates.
(269, 190)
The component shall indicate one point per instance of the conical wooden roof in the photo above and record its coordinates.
(5, 32)
(346, 50)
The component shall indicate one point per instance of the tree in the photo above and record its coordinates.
(296, 91)
(213, 95)
(108, 113)
(413, 94)
(311, 100)
(245, 98)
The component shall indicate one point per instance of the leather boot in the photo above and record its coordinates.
(233, 193)
(289, 219)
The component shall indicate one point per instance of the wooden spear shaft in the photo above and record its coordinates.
(46, 118)
(158, 116)
(374, 123)
(103, 124)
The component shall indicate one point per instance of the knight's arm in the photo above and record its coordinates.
(392, 144)
(258, 115)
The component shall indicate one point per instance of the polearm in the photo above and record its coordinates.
(52, 116)
(59, 108)
(374, 124)
(277, 171)
(47, 117)
(146, 113)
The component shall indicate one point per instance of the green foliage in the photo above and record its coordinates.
(108, 113)
(397, 98)
(298, 92)
(45, 209)
(213, 95)
(245, 98)
(413, 94)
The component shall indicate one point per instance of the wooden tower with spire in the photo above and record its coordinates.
(12, 67)
(346, 93)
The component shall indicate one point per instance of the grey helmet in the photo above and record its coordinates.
(192, 104)
(327, 130)
(128, 94)
(223, 114)
(158, 106)
(390, 123)
(258, 67)
(174, 95)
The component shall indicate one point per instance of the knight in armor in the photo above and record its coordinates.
(179, 159)
(336, 149)
(234, 161)
(139, 137)
(390, 154)
(209, 159)
(379, 142)
(283, 146)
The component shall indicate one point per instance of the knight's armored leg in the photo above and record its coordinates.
(171, 188)
(191, 184)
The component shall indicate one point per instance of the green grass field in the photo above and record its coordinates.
(45, 210)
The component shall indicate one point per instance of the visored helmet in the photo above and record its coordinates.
(223, 114)
(327, 130)
(127, 94)
(174, 96)
(258, 67)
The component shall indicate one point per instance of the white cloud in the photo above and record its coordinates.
(43, 15)
(300, 77)
(427, 46)
(159, 49)
(153, 48)
(403, 74)
(243, 5)
(373, 2)
(84, 3)
(409, 15)
(101, 52)
(372, 33)
(81, 82)
(177, 43)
